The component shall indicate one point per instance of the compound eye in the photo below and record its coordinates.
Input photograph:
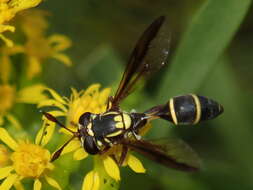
(85, 119)
(90, 145)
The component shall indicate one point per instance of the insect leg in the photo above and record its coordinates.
(123, 155)
(104, 150)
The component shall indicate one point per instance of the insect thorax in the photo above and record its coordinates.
(111, 124)
(98, 131)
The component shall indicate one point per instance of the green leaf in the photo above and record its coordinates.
(103, 65)
(234, 126)
(206, 38)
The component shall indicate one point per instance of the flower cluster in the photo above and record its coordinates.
(8, 10)
(9, 96)
(34, 25)
(23, 160)
(20, 63)
(36, 49)
(28, 160)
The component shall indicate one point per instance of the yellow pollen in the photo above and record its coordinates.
(30, 160)
(7, 97)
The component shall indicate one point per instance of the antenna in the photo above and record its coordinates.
(75, 134)
(53, 119)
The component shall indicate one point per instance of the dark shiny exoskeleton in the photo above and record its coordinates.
(99, 132)
(191, 109)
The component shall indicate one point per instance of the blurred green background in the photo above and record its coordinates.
(211, 55)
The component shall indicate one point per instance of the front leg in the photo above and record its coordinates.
(104, 150)
(123, 155)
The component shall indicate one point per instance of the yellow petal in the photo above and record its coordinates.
(14, 121)
(73, 145)
(7, 139)
(45, 133)
(50, 166)
(62, 130)
(51, 102)
(16, 49)
(111, 168)
(5, 68)
(91, 181)
(8, 182)
(52, 182)
(33, 68)
(37, 184)
(63, 58)
(59, 42)
(80, 154)
(56, 96)
(135, 164)
(34, 25)
(74, 93)
(19, 186)
(19, 5)
(32, 94)
(7, 97)
(4, 156)
(57, 113)
(5, 171)
(103, 96)
(6, 27)
(92, 88)
(7, 41)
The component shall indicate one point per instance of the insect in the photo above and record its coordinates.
(99, 132)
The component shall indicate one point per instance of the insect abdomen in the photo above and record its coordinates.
(191, 109)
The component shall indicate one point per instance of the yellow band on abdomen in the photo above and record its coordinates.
(198, 108)
(172, 111)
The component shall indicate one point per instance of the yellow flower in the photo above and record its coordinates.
(10, 96)
(95, 101)
(8, 9)
(38, 47)
(28, 161)
(90, 100)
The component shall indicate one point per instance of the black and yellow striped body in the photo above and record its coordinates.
(100, 131)
(103, 130)
(188, 109)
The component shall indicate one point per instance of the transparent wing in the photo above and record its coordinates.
(149, 55)
(172, 153)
